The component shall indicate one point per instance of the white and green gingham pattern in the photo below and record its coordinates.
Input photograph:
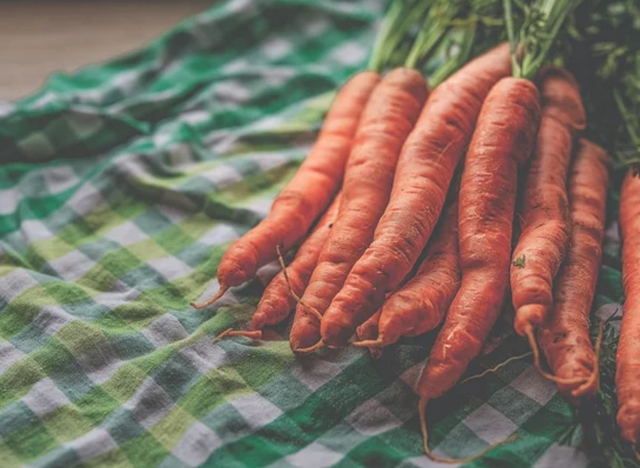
(121, 186)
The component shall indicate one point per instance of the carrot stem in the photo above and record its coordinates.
(431, 34)
(538, 32)
(396, 24)
(466, 47)
(511, 34)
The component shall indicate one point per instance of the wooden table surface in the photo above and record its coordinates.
(40, 37)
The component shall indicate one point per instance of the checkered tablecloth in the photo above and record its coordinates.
(121, 186)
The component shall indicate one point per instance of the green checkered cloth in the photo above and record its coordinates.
(121, 186)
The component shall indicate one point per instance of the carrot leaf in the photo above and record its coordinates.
(401, 18)
(603, 51)
(519, 262)
(533, 35)
(453, 31)
(436, 24)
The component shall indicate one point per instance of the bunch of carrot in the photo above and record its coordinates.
(404, 213)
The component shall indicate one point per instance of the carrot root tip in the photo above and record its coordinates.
(310, 349)
(254, 335)
(368, 343)
(222, 335)
(497, 367)
(422, 406)
(223, 289)
(596, 367)
(536, 362)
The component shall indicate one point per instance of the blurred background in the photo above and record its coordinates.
(38, 37)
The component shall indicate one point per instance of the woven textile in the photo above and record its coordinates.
(120, 188)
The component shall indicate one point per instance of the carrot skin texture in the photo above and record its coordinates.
(387, 120)
(502, 141)
(628, 357)
(309, 192)
(276, 302)
(565, 340)
(420, 305)
(546, 228)
(424, 172)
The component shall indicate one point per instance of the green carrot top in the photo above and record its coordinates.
(540, 25)
(604, 53)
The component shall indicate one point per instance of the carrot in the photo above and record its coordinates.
(279, 298)
(546, 222)
(387, 120)
(628, 357)
(502, 141)
(423, 175)
(307, 195)
(276, 302)
(420, 305)
(369, 329)
(565, 340)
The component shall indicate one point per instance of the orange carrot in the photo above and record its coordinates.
(565, 341)
(420, 305)
(501, 143)
(307, 195)
(628, 357)
(369, 329)
(425, 169)
(387, 120)
(276, 302)
(546, 226)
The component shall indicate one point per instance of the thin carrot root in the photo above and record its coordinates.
(335, 346)
(295, 296)
(310, 349)
(376, 347)
(422, 406)
(218, 295)
(222, 335)
(254, 335)
(536, 362)
(368, 343)
(315, 312)
(596, 367)
(498, 366)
